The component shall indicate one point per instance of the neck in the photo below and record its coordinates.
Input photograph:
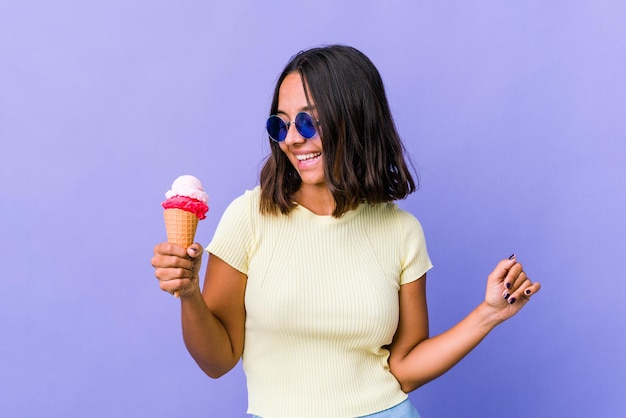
(317, 199)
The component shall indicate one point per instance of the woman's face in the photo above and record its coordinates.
(305, 154)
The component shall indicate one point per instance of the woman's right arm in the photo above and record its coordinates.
(212, 320)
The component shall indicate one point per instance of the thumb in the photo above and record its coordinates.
(195, 250)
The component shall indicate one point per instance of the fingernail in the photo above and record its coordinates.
(508, 285)
(512, 256)
(527, 291)
(506, 295)
(512, 301)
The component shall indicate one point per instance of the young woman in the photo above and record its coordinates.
(316, 278)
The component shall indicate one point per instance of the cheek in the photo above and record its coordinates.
(285, 151)
(283, 148)
(317, 141)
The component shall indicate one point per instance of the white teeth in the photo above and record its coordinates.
(308, 156)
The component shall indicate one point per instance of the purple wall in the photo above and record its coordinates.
(513, 113)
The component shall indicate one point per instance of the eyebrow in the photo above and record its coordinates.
(307, 109)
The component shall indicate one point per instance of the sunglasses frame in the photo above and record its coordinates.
(296, 122)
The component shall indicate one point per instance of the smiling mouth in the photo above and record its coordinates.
(307, 157)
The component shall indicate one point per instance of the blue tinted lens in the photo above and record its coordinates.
(305, 125)
(276, 128)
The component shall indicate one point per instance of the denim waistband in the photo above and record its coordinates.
(404, 409)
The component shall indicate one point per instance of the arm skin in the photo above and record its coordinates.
(212, 320)
(416, 358)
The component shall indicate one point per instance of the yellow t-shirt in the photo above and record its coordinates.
(321, 302)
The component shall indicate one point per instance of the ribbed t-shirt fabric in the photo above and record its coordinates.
(321, 303)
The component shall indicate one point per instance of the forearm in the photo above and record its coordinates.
(206, 337)
(436, 355)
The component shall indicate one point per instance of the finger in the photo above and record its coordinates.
(165, 274)
(515, 278)
(167, 248)
(524, 292)
(514, 281)
(170, 267)
(174, 286)
(501, 270)
(512, 274)
(170, 274)
(532, 289)
(172, 261)
(169, 255)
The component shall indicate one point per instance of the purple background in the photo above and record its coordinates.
(512, 111)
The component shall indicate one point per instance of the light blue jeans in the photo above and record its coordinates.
(402, 410)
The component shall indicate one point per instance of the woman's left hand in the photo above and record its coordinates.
(509, 288)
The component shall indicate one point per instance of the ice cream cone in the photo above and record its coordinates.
(180, 227)
(186, 204)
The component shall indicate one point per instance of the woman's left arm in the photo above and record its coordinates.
(416, 359)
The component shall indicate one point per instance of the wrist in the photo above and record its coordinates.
(191, 292)
(489, 315)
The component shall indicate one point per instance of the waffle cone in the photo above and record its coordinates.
(180, 226)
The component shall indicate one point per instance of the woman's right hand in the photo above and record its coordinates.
(177, 269)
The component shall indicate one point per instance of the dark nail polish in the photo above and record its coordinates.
(512, 256)
(508, 285)
(506, 295)
(527, 291)
(512, 301)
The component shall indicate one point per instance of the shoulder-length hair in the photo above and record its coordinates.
(362, 152)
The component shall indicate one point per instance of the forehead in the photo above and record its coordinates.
(291, 95)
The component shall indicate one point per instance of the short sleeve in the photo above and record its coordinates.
(415, 260)
(233, 235)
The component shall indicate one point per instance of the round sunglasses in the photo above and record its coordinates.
(277, 128)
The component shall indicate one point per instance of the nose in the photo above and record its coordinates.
(293, 136)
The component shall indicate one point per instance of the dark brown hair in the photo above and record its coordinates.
(363, 155)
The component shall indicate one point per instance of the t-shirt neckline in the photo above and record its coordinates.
(303, 212)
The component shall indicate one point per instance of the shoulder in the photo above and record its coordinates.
(389, 223)
(245, 202)
(391, 213)
(243, 210)
(248, 197)
(408, 220)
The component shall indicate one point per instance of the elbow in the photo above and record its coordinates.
(215, 374)
(409, 386)
(408, 383)
(215, 371)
